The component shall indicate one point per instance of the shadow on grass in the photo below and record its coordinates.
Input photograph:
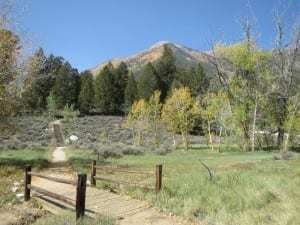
(20, 163)
(274, 148)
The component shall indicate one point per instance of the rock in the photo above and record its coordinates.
(73, 138)
(14, 189)
(20, 195)
(16, 184)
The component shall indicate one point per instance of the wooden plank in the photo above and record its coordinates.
(52, 195)
(56, 179)
(123, 183)
(114, 169)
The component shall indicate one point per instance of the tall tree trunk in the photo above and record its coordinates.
(210, 138)
(280, 137)
(220, 135)
(246, 136)
(174, 140)
(281, 119)
(254, 124)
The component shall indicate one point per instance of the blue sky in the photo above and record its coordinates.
(89, 32)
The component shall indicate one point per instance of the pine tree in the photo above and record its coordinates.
(120, 82)
(148, 82)
(104, 94)
(40, 80)
(66, 88)
(195, 79)
(86, 95)
(130, 93)
(166, 71)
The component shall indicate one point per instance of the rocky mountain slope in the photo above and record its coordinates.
(185, 57)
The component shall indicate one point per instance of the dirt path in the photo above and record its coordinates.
(128, 211)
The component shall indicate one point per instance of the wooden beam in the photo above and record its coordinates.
(114, 169)
(93, 173)
(158, 175)
(80, 195)
(56, 179)
(27, 182)
(59, 197)
(123, 183)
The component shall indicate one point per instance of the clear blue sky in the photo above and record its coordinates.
(89, 32)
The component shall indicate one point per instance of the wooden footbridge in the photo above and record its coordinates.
(58, 191)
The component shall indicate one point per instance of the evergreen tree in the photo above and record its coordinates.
(42, 72)
(166, 70)
(130, 93)
(51, 104)
(86, 95)
(104, 94)
(35, 69)
(120, 82)
(148, 82)
(66, 88)
(195, 79)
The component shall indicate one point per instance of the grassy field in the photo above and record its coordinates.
(12, 164)
(69, 218)
(247, 188)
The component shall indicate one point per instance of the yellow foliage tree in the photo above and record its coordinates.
(136, 120)
(180, 112)
(153, 109)
(216, 110)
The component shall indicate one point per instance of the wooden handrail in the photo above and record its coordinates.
(124, 183)
(56, 179)
(115, 169)
(157, 173)
(62, 198)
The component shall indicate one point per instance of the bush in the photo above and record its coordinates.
(110, 151)
(161, 150)
(130, 150)
(69, 112)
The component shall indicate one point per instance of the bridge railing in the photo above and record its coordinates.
(80, 183)
(157, 173)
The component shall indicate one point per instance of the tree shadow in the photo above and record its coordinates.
(21, 163)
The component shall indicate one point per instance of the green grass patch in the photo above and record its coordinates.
(247, 188)
(12, 164)
(69, 218)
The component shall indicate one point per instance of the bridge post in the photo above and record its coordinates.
(80, 195)
(93, 173)
(27, 182)
(158, 174)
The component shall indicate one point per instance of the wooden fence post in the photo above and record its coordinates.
(27, 182)
(93, 173)
(158, 174)
(80, 195)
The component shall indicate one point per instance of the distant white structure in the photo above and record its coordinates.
(73, 138)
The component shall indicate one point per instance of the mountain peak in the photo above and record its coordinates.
(185, 58)
(159, 44)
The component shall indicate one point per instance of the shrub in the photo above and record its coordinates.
(130, 150)
(109, 151)
(69, 112)
(161, 150)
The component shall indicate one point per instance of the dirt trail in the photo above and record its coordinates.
(128, 211)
